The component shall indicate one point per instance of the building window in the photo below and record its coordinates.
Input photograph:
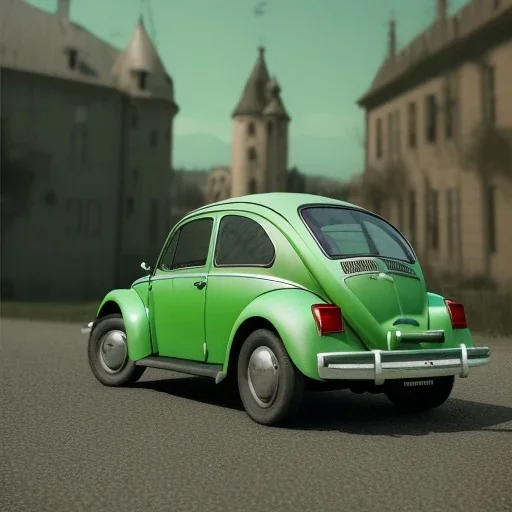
(491, 216)
(72, 59)
(434, 219)
(412, 124)
(489, 95)
(269, 128)
(412, 216)
(251, 129)
(153, 221)
(78, 135)
(153, 139)
(397, 133)
(378, 152)
(83, 216)
(92, 217)
(252, 186)
(251, 154)
(129, 206)
(135, 118)
(449, 117)
(431, 118)
(450, 214)
(391, 134)
(143, 78)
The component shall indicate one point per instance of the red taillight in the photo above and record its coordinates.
(328, 318)
(457, 314)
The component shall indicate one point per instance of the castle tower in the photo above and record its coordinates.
(260, 135)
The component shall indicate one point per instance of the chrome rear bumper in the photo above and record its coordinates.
(86, 329)
(380, 366)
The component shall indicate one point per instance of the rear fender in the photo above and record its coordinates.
(289, 311)
(439, 319)
(136, 321)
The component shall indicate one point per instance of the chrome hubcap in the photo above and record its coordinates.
(263, 376)
(113, 351)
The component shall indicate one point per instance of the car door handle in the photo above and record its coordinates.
(200, 284)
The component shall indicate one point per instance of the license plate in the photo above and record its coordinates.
(416, 383)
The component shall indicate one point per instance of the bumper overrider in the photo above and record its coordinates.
(87, 328)
(380, 365)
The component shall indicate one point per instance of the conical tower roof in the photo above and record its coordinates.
(254, 96)
(140, 55)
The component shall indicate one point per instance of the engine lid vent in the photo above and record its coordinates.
(397, 266)
(359, 265)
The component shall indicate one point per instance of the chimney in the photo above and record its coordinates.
(63, 9)
(442, 10)
(392, 37)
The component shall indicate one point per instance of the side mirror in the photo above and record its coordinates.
(144, 266)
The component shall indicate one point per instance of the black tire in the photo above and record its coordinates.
(290, 384)
(128, 373)
(419, 398)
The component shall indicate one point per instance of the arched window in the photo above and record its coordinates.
(252, 186)
(251, 154)
(251, 129)
(269, 128)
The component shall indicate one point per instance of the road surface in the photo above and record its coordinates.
(175, 443)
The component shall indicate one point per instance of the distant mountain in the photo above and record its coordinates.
(320, 156)
(200, 151)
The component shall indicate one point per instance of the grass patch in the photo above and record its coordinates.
(81, 312)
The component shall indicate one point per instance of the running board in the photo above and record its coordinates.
(181, 366)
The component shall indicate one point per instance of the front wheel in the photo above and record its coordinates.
(270, 386)
(108, 353)
(419, 394)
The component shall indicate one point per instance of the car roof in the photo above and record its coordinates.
(284, 203)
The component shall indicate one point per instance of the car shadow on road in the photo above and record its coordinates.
(350, 413)
(375, 415)
(197, 389)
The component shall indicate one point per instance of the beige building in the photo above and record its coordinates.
(260, 135)
(217, 186)
(86, 139)
(439, 144)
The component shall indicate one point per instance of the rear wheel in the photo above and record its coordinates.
(270, 386)
(108, 353)
(419, 394)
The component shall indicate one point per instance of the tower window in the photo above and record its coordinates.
(251, 154)
(269, 128)
(251, 129)
(143, 75)
(252, 186)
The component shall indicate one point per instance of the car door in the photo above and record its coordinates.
(177, 292)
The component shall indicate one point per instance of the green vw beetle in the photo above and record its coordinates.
(282, 293)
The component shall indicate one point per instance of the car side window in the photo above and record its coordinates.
(191, 246)
(243, 242)
(166, 262)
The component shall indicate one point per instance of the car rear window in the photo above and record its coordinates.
(346, 233)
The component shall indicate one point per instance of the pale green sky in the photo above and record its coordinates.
(323, 52)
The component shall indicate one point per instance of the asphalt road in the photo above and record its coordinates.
(174, 443)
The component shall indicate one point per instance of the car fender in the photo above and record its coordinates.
(289, 311)
(136, 321)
